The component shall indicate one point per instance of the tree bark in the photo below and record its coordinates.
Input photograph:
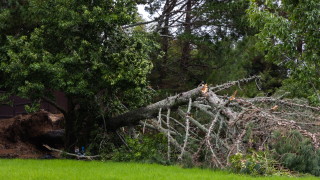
(70, 137)
(163, 66)
(132, 118)
(186, 50)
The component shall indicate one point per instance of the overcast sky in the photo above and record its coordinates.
(143, 13)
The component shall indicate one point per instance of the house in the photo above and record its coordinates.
(17, 107)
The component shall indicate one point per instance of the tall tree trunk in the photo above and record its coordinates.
(186, 48)
(168, 7)
(70, 117)
(164, 48)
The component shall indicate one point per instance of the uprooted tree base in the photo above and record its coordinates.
(23, 135)
(222, 126)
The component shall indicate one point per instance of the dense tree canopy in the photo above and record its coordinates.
(77, 47)
(289, 33)
(209, 41)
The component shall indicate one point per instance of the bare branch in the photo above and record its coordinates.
(232, 83)
(139, 24)
(168, 134)
(71, 154)
(187, 130)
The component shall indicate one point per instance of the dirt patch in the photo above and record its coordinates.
(23, 135)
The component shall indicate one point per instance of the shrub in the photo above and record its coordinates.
(149, 148)
(32, 108)
(254, 163)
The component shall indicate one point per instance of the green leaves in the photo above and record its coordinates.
(76, 47)
(289, 33)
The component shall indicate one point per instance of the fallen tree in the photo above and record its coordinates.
(173, 102)
(222, 125)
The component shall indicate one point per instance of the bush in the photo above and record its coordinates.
(254, 163)
(32, 108)
(149, 148)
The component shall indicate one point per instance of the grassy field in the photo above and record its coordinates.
(71, 169)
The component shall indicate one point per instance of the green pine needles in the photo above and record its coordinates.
(296, 152)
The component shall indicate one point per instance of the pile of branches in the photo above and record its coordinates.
(222, 126)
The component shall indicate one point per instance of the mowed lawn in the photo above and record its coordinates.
(72, 169)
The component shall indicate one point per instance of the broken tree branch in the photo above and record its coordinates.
(71, 154)
(168, 134)
(133, 117)
(233, 83)
(222, 125)
(187, 130)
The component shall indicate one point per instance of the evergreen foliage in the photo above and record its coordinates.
(296, 152)
(222, 48)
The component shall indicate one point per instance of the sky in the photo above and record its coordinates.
(143, 13)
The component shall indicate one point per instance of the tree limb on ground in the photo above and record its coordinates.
(227, 125)
(71, 154)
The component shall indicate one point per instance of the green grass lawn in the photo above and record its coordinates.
(72, 169)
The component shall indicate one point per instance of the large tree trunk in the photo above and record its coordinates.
(186, 49)
(165, 40)
(165, 33)
(70, 117)
(132, 118)
(162, 67)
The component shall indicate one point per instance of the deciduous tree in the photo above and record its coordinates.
(289, 33)
(77, 47)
